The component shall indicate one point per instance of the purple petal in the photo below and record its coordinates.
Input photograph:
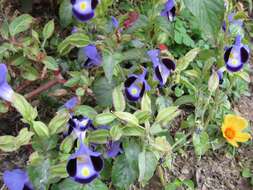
(154, 56)
(115, 22)
(70, 104)
(6, 92)
(16, 180)
(3, 73)
(94, 57)
(113, 149)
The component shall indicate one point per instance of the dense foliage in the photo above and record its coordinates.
(145, 80)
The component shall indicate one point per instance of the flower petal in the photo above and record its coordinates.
(233, 142)
(238, 123)
(242, 137)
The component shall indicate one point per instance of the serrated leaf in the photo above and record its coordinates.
(20, 24)
(209, 14)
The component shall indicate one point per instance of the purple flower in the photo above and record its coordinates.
(94, 57)
(17, 180)
(162, 66)
(113, 149)
(6, 92)
(74, 30)
(236, 55)
(115, 22)
(83, 10)
(71, 103)
(79, 125)
(136, 85)
(84, 165)
(232, 21)
(169, 10)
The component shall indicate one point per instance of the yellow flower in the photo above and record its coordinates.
(232, 128)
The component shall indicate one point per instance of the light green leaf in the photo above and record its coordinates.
(116, 132)
(58, 123)
(127, 117)
(104, 118)
(86, 111)
(167, 114)
(213, 82)
(184, 61)
(50, 63)
(40, 129)
(20, 24)
(67, 144)
(147, 162)
(200, 142)
(48, 30)
(118, 99)
(99, 136)
(146, 103)
(74, 40)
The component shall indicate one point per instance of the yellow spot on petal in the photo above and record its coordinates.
(234, 62)
(84, 122)
(231, 56)
(83, 6)
(134, 91)
(85, 171)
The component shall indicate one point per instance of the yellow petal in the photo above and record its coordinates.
(242, 137)
(236, 122)
(233, 142)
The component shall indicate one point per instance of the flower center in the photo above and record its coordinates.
(134, 91)
(234, 62)
(229, 133)
(83, 6)
(85, 171)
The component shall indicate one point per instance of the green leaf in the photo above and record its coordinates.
(246, 173)
(67, 144)
(147, 166)
(213, 82)
(20, 24)
(68, 184)
(95, 185)
(8, 143)
(65, 13)
(39, 174)
(99, 136)
(174, 185)
(146, 103)
(48, 30)
(122, 173)
(184, 61)
(40, 129)
(133, 131)
(118, 99)
(200, 142)
(167, 114)
(104, 118)
(103, 92)
(50, 63)
(24, 108)
(74, 40)
(86, 111)
(132, 149)
(24, 137)
(5, 30)
(109, 62)
(116, 132)
(127, 117)
(209, 14)
(58, 123)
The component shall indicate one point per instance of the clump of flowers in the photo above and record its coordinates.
(232, 129)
